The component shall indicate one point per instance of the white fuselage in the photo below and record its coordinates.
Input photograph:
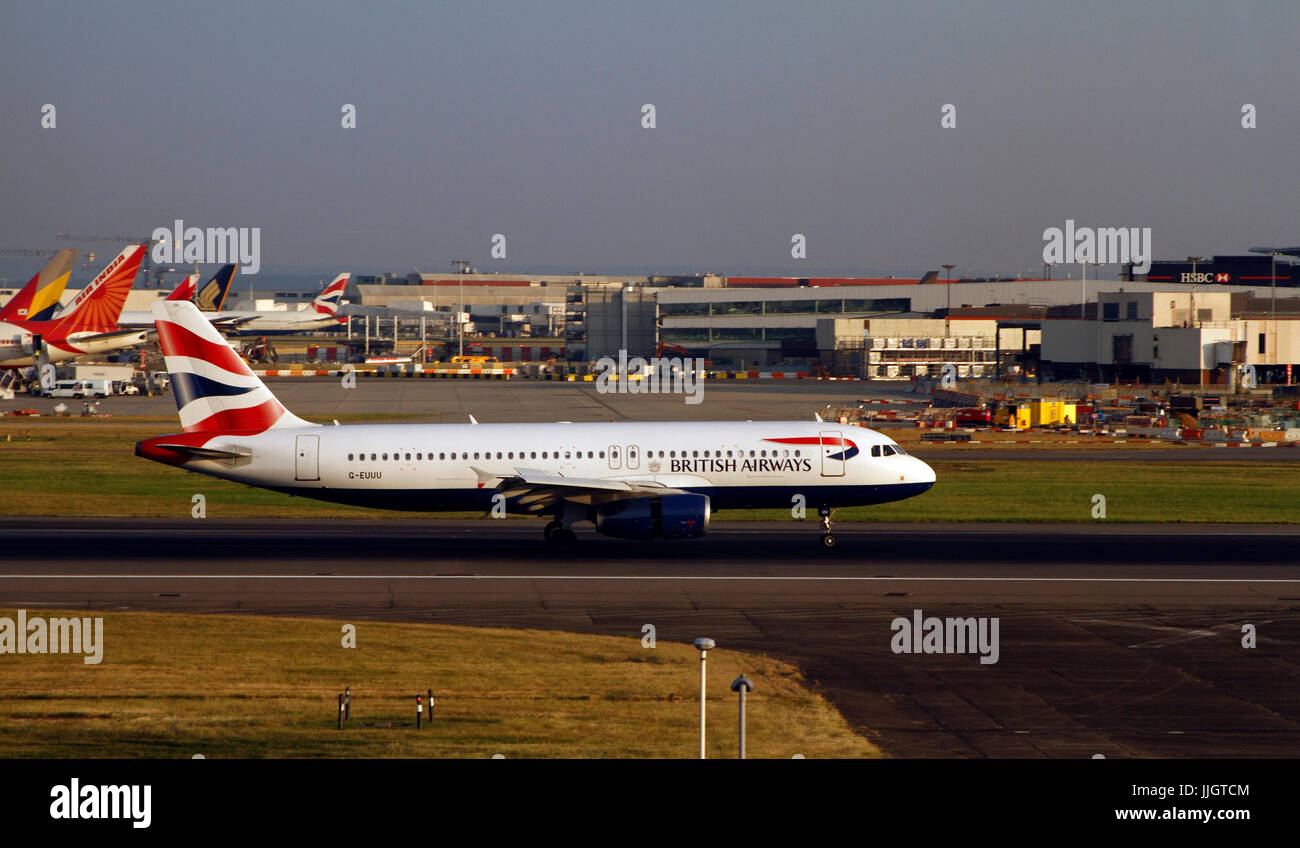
(16, 342)
(263, 323)
(442, 466)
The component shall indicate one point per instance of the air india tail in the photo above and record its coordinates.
(97, 307)
(39, 299)
(331, 297)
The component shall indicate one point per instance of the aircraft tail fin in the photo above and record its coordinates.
(214, 388)
(98, 306)
(331, 297)
(39, 299)
(184, 291)
(213, 294)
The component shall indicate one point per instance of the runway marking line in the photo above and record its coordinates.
(665, 577)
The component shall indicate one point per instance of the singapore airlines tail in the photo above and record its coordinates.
(213, 294)
(39, 299)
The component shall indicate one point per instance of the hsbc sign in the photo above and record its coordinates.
(1202, 277)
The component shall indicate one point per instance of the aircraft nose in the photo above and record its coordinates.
(922, 472)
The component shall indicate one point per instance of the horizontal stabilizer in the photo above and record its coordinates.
(205, 453)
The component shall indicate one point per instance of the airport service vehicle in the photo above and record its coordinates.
(321, 313)
(88, 325)
(39, 299)
(81, 389)
(631, 480)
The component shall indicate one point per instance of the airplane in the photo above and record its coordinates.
(632, 480)
(209, 298)
(39, 299)
(86, 325)
(322, 313)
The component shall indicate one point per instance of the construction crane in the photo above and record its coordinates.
(145, 265)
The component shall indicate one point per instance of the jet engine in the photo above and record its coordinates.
(656, 517)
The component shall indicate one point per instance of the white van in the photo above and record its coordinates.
(81, 389)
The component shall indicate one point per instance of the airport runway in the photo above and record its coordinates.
(1115, 640)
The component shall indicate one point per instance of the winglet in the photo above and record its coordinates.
(817, 415)
(473, 420)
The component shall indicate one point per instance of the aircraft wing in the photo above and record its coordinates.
(232, 320)
(114, 334)
(538, 490)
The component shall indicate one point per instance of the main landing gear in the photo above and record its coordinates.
(828, 538)
(557, 534)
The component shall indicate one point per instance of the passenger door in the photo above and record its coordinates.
(832, 454)
(307, 464)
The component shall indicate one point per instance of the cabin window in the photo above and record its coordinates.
(442, 455)
(764, 453)
(567, 454)
(728, 454)
(476, 454)
(751, 454)
(706, 454)
(543, 454)
(695, 453)
(408, 457)
(385, 456)
(796, 453)
(372, 457)
(349, 457)
(498, 454)
(602, 454)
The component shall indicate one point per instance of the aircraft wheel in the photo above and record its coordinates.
(550, 531)
(828, 541)
(566, 537)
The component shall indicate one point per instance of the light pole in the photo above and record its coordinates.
(703, 645)
(1196, 323)
(1083, 292)
(742, 685)
(1194, 260)
(461, 265)
(947, 315)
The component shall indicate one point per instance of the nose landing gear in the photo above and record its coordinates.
(828, 538)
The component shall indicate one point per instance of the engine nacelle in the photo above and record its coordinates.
(655, 517)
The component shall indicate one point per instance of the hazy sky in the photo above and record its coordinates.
(772, 119)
